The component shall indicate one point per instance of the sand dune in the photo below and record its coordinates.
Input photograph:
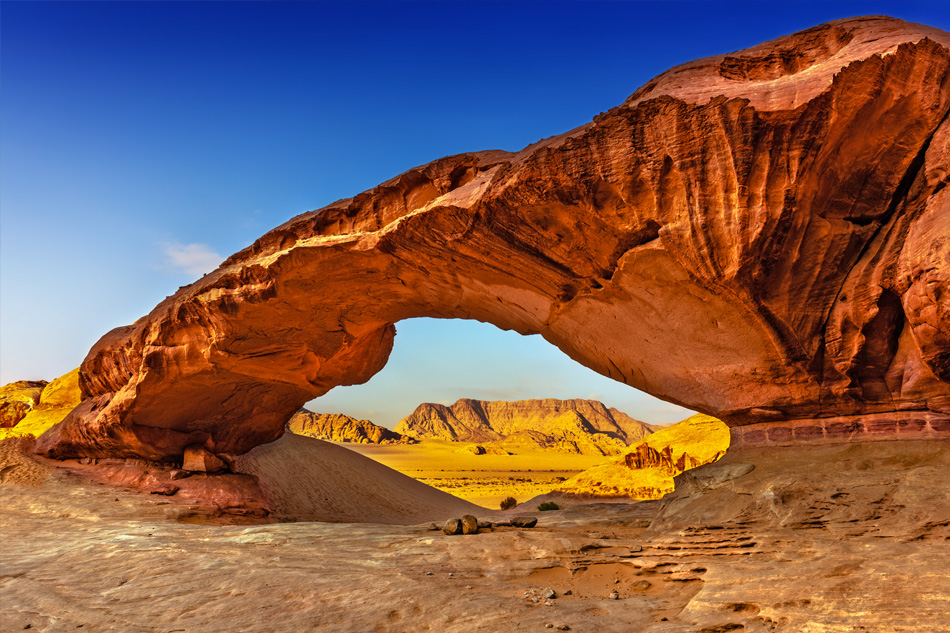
(310, 479)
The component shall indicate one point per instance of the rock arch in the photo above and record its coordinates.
(770, 246)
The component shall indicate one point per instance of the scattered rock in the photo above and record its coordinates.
(563, 627)
(452, 526)
(166, 489)
(433, 527)
(641, 585)
(428, 573)
(199, 459)
(502, 524)
(484, 525)
(468, 586)
(548, 603)
(569, 592)
(548, 593)
(549, 626)
(469, 524)
(614, 595)
(178, 474)
(524, 522)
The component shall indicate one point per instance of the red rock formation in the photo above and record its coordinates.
(336, 427)
(762, 236)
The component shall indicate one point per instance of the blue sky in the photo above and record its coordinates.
(141, 142)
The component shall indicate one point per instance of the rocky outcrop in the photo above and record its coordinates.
(17, 399)
(30, 407)
(568, 426)
(336, 427)
(646, 471)
(761, 236)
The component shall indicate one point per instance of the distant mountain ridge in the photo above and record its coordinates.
(575, 426)
(336, 427)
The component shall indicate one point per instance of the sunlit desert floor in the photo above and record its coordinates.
(482, 479)
(860, 544)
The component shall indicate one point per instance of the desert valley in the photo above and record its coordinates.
(762, 236)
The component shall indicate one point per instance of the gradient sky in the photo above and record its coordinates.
(141, 142)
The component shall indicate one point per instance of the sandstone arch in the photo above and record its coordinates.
(763, 236)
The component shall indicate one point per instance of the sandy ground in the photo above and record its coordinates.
(481, 479)
(760, 541)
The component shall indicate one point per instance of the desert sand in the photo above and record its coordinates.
(482, 479)
(759, 541)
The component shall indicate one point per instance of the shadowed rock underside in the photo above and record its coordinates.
(761, 236)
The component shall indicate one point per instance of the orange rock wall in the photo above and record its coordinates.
(762, 236)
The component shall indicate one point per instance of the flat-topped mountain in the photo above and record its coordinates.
(574, 426)
(336, 427)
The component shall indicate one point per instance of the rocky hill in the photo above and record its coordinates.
(30, 407)
(646, 471)
(336, 427)
(575, 426)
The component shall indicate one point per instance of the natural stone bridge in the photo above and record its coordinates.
(762, 236)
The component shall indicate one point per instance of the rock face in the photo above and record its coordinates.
(30, 407)
(17, 399)
(571, 426)
(761, 236)
(336, 427)
(646, 471)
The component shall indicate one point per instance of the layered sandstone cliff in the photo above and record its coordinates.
(572, 426)
(336, 427)
(762, 236)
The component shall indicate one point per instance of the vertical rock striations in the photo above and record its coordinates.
(762, 236)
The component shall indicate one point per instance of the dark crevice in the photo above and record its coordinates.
(897, 200)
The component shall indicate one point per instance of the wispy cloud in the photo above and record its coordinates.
(194, 259)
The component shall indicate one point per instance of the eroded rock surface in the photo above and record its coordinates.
(762, 236)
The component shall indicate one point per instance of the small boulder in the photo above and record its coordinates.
(199, 459)
(469, 524)
(178, 474)
(484, 525)
(641, 585)
(166, 490)
(524, 522)
(452, 526)
(433, 527)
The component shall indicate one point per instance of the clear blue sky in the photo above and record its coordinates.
(140, 142)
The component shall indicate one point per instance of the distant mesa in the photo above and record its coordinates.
(586, 427)
(647, 470)
(336, 427)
